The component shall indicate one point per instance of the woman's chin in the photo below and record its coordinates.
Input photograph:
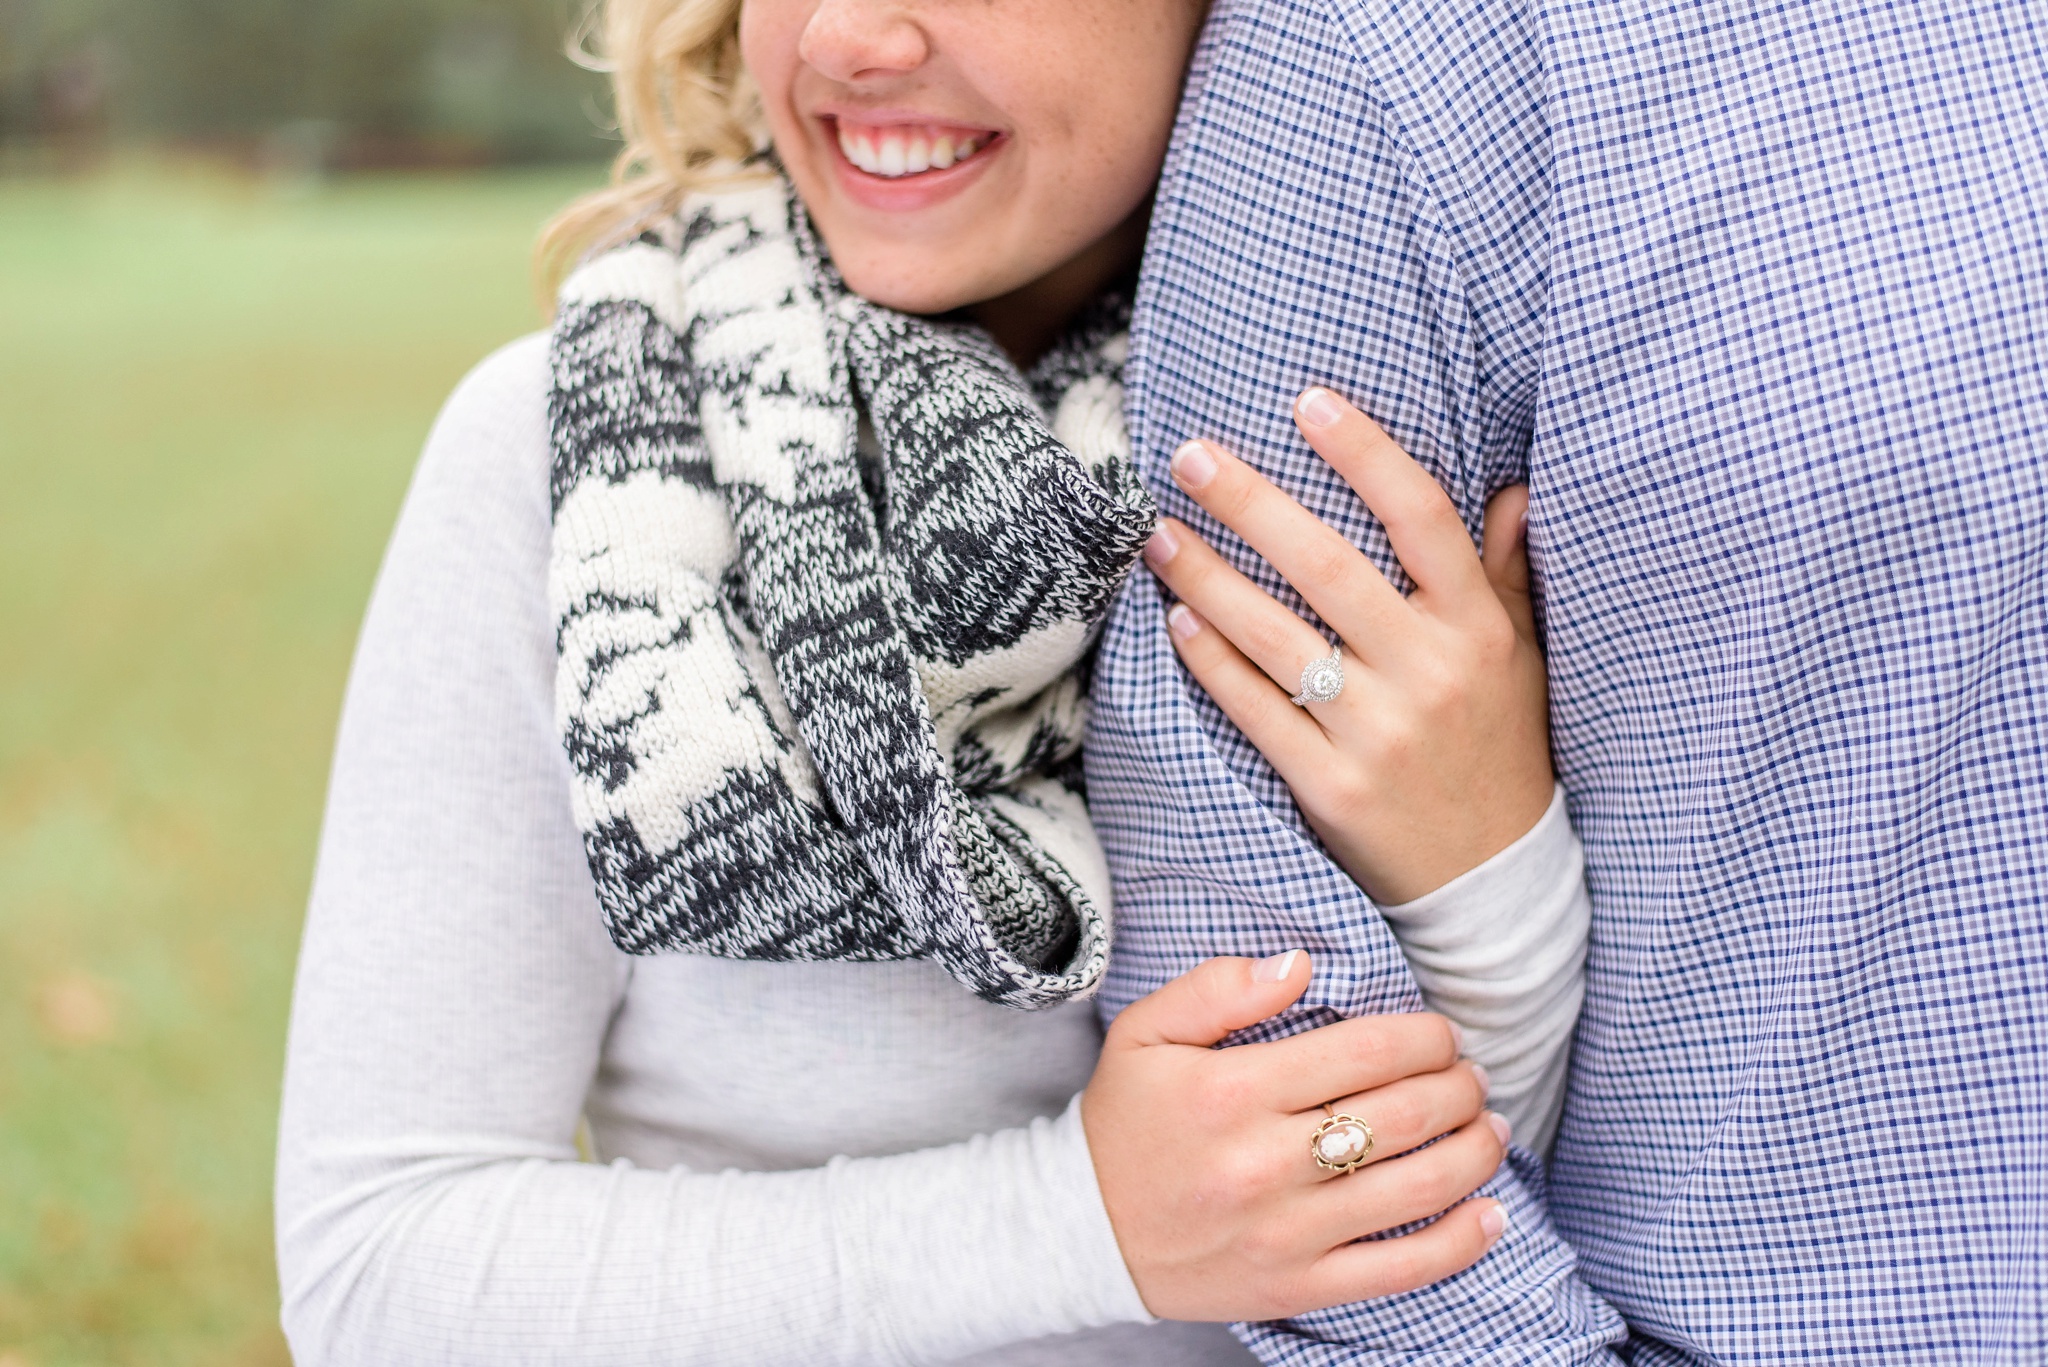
(912, 284)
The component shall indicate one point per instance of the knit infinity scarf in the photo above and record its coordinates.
(819, 678)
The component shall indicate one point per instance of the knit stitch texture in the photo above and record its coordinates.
(825, 579)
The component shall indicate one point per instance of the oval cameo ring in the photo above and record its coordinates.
(1342, 1143)
(1321, 680)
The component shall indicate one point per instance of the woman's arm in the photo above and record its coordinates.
(1428, 777)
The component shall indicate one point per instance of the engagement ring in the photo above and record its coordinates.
(1322, 680)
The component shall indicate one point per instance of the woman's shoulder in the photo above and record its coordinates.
(488, 453)
(517, 370)
(500, 408)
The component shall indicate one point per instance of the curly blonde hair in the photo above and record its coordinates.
(687, 111)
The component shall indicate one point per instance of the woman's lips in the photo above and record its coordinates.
(901, 166)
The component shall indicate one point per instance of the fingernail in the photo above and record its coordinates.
(1182, 622)
(1494, 1220)
(1485, 1082)
(1163, 545)
(1458, 1037)
(1193, 465)
(1319, 407)
(1501, 1129)
(1275, 969)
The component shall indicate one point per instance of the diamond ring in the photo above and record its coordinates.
(1321, 680)
(1342, 1143)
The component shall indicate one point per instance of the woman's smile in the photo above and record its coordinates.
(892, 150)
(898, 164)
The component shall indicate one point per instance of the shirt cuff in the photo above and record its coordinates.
(1470, 910)
(995, 1241)
(1098, 1261)
(1501, 950)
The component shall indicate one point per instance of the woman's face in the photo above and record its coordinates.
(954, 151)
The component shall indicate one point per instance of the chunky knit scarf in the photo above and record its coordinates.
(824, 580)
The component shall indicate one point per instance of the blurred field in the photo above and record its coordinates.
(211, 395)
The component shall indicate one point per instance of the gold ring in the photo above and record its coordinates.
(1342, 1143)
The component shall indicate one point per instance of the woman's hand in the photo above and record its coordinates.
(1203, 1154)
(1436, 755)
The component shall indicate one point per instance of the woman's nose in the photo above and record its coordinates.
(848, 40)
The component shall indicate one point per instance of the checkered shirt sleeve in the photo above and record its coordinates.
(1756, 298)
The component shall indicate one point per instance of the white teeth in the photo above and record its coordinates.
(856, 150)
(893, 153)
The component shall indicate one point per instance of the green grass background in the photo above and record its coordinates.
(211, 396)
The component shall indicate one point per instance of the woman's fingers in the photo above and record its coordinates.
(1415, 1109)
(1504, 555)
(1426, 532)
(1503, 543)
(1262, 630)
(1346, 589)
(1237, 1224)
(1388, 1267)
(1402, 1190)
(1286, 735)
(1349, 1057)
(1212, 999)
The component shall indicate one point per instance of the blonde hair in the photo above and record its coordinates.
(687, 111)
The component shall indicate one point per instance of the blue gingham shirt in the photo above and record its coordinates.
(1755, 296)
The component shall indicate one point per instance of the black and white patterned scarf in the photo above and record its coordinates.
(824, 578)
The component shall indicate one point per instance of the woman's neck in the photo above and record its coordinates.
(1027, 321)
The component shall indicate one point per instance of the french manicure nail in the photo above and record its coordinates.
(1494, 1220)
(1193, 465)
(1501, 1129)
(1275, 969)
(1319, 407)
(1163, 545)
(1485, 1081)
(1182, 622)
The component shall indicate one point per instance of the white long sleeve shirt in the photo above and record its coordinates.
(814, 1163)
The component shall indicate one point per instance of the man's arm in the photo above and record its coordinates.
(1203, 868)
(1355, 197)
